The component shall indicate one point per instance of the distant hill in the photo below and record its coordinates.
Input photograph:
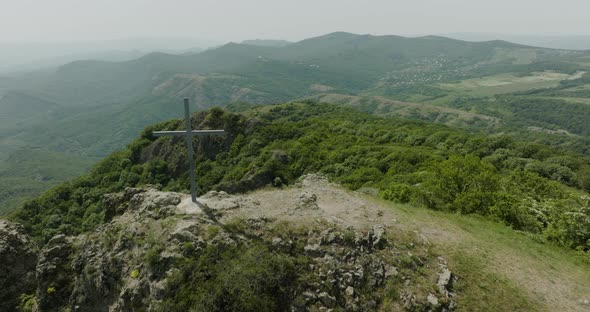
(571, 42)
(95, 107)
(28, 56)
(267, 42)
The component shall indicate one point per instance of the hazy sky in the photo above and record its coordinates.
(67, 20)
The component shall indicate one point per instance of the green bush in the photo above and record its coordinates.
(401, 193)
(233, 278)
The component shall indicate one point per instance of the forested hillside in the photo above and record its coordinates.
(88, 109)
(530, 187)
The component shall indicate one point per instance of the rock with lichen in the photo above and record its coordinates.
(18, 259)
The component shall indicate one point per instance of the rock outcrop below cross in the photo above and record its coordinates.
(188, 134)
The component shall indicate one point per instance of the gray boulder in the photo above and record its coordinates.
(17, 264)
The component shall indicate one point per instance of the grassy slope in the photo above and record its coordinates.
(500, 269)
(497, 268)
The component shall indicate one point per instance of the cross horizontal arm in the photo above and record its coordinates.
(182, 133)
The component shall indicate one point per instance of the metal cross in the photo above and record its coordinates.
(188, 134)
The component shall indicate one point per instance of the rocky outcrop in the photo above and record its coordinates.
(18, 259)
(138, 260)
(54, 273)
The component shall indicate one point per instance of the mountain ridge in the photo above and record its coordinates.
(96, 99)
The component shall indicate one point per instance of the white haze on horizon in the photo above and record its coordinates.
(237, 20)
(37, 31)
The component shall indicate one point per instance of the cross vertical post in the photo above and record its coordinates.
(189, 145)
(188, 133)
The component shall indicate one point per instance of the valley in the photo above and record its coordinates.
(88, 109)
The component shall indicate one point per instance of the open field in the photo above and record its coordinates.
(508, 83)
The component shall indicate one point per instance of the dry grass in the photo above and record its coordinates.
(498, 269)
(498, 259)
(507, 83)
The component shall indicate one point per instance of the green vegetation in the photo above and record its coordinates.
(508, 83)
(241, 278)
(89, 109)
(134, 274)
(28, 303)
(31, 171)
(499, 268)
(482, 290)
(255, 275)
(530, 187)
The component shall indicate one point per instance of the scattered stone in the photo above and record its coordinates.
(309, 297)
(351, 307)
(390, 271)
(257, 223)
(349, 291)
(314, 250)
(347, 278)
(220, 201)
(313, 178)
(327, 300)
(329, 236)
(276, 241)
(444, 281)
(424, 240)
(307, 200)
(185, 231)
(432, 300)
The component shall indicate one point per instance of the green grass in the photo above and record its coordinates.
(498, 268)
(481, 289)
(506, 83)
